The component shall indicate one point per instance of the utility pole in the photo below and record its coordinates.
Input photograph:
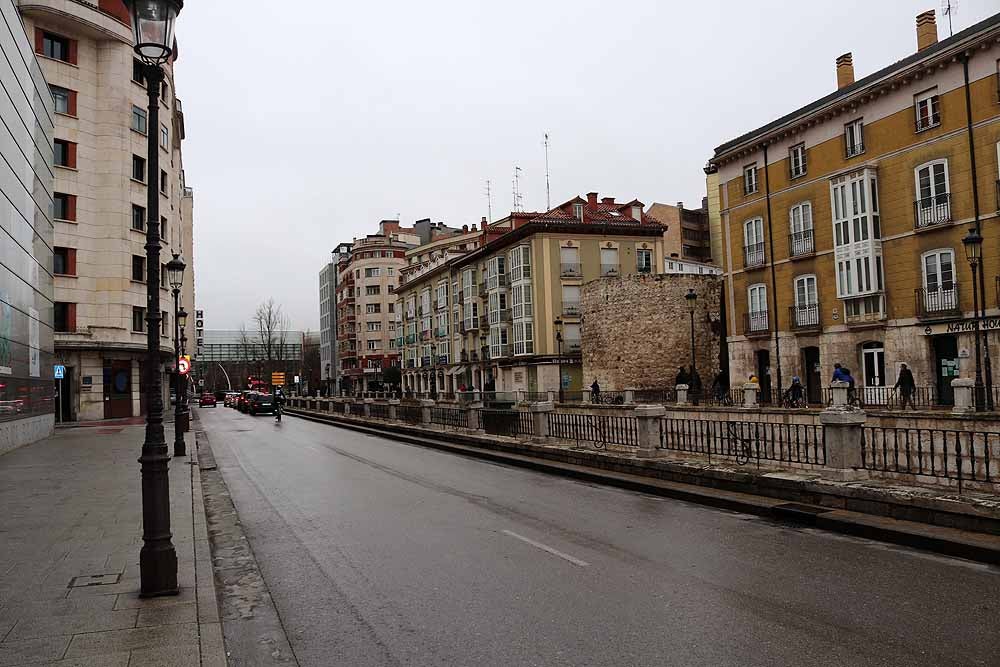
(548, 191)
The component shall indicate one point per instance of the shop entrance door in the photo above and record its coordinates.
(945, 368)
(117, 389)
(873, 355)
(813, 375)
(764, 375)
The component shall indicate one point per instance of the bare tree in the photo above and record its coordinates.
(272, 328)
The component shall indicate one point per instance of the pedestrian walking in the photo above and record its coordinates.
(905, 386)
(682, 377)
(595, 392)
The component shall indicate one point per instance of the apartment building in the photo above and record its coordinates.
(100, 192)
(686, 237)
(368, 275)
(26, 361)
(506, 316)
(843, 221)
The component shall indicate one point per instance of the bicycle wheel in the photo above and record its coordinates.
(743, 453)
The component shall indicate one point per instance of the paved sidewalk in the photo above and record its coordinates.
(71, 508)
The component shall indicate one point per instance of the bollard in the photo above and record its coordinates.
(843, 440)
(368, 407)
(425, 411)
(750, 390)
(471, 409)
(648, 417)
(347, 408)
(630, 397)
(682, 394)
(393, 405)
(540, 420)
(965, 401)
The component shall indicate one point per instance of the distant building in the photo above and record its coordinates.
(26, 231)
(231, 357)
(687, 236)
(329, 360)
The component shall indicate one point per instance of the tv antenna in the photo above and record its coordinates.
(548, 191)
(949, 8)
(518, 197)
(489, 202)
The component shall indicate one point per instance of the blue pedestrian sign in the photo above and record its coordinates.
(60, 372)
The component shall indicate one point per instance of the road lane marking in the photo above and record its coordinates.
(548, 549)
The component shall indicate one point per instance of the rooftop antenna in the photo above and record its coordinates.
(949, 8)
(489, 202)
(518, 197)
(548, 191)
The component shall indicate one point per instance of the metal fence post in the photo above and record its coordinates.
(843, 438)
(540, 419)
(964, 402)
(470, 411)
(750, 390)
(682, 394)
(425, 411)
(393, 406)
(648, 417)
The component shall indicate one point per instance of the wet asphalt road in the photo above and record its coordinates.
(381, 553)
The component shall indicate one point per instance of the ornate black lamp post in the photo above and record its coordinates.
(175, 274)
(973, 243)
(691, 298)
(559, 343)
(153, 34)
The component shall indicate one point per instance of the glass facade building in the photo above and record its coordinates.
(27, 390)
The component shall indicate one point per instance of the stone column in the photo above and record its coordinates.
(540, 419)
(425, 411)
(965, 402)
(393, 405)
(750, 390)
(470, 411)
(682, 394)
(552, 396)
(630, 397)
(649, 417)
(842, 435)
(347, 408)
(839, 393)
(368, 407)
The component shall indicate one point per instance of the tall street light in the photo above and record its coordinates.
(973, 243)
(153, 35)
(559, 342)
(175, 274)
(692, 299)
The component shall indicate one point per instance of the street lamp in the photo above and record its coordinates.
(559, 342)
(175, 274)
(973, 243)
(692, 299)
(153, 35)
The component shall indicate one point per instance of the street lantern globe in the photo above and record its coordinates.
(175, 271)
(973, 243)
(182, 318)
(691, 298)
(153, 28)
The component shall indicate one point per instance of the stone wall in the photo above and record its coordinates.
(636, 330)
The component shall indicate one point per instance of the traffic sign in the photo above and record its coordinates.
(278, 379)
(60, 372)
(184, 364)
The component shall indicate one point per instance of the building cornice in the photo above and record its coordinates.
(101, 26)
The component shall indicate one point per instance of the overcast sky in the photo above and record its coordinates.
(308, 122)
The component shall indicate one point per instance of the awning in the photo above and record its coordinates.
(454, 370)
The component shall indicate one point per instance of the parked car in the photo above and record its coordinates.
(241, 401)
(207, 401)
(229, 398)
(260, 403)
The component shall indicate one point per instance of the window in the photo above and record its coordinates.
(65, 100)
(498, 342)
(800, 224)
(441, 295)
(497, 307)
(644, 261)
(64, 261)
(757, 312)
(797, 160)
(163, 276)
(753, 242)
(441, 324)
(137, 72)
(571, 300)
(933, 205)
(64, 153)
(58, 48)
(520, 299)
(392, 307)
(138, 319)
(609, 261)
(373, 272)
(806, 302)
(857, 234)
(164, 89)
(164, 137)
(524, 338)
(138, 218)
(854, 138)
(471, 315)
(750, 179)
(139, 120)
(163, 228)
(569, 263)
(373, 308)
(928, 114)
(578, 212)
(374, 326)
(164, 182)
(390, 271)
(138, 268)
(373, 343)
(373, 290)
(940, 290)
(64, 317)
(496, 272)
(164, 324)
(520, 263)
(64, 206)
(139, 168)
(442, 351)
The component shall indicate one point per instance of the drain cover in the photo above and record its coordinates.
(94, 580)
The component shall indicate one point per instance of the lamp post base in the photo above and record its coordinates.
(158, 568)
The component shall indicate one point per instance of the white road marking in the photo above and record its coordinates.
(548, 549)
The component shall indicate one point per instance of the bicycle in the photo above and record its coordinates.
(277, 414)
(792, 403)
(744, 451)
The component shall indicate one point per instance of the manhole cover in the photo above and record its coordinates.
(94, 580)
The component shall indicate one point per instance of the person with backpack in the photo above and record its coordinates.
(906, 386)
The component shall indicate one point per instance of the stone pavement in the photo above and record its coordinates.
(70, 534)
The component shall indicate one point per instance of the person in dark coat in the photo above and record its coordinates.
(905, 386)
(595, 392)
(682, 377)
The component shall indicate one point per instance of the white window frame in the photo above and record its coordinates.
(857, 241)
(936, 207)
(800, 228)
(797, 160)
(929, 102)
(758, 318)
(644, 260)
(750, 179)
(610, 268)
(940, 297)
(806, 292)
(524, 338)
(854, 137)
(754, 239)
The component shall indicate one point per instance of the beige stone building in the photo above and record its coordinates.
(101, 181)
(687, 243)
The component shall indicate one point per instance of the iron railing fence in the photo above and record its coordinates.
(534, 396)
(378, 410)
(934, 210)
(608, 398)
(945, 453)
(600, 430)
(801, 243)
(411, 414)
(571, 396)
(509, 423)
(654, 396)
(745, 441)
(890, 398)
(449, 417)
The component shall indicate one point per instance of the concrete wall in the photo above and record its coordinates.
(14, 434)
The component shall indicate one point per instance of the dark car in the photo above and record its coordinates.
(260, 404)
(207, 401)
(241, 402)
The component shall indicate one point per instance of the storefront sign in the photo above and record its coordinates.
(961, 326)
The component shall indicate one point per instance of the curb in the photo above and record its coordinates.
(979, 547)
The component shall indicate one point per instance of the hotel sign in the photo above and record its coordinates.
(961, 326)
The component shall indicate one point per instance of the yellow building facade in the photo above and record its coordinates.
(842, 223)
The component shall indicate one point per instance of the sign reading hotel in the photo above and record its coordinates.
(961, 326)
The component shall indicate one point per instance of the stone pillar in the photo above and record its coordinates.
(553, 396)
(843, 441)
(347, 408)
(682, 394)
(750, 390)
(393, 405)
(540, 419)
(838, 390)
(470, 411)
(965, 402)
(630, 397)
(425, 411)
(368, 407)
(649, 417)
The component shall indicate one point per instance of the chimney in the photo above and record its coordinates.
(845, 70)
(474, 228)
(680, 206)
(591, 200)
(481, 222)
(608, 200)
(465, 229)
(926, 30)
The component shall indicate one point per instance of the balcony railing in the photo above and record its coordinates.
(940, 302)
(870, 309)
(411, 339)
(755, 323)
(609, 270)
(804, 317)
(441, 332)
(644, 269)
(753, 255)
(801, 243)
(570, 270)
(931, 211)
(927, 122)
(571, 308)
(850, 150)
